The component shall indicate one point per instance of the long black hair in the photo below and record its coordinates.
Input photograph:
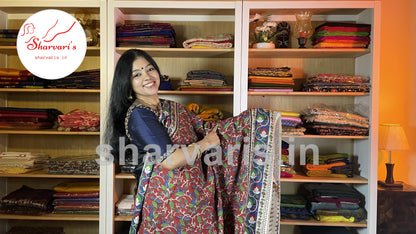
(122, 96)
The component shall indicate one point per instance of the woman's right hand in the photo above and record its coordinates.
(210, 139)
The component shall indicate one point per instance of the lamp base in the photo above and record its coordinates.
(397, 184)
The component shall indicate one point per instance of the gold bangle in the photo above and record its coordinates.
(198, 147)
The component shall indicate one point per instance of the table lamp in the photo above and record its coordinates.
(391, 138)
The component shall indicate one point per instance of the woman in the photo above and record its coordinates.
(227, 190)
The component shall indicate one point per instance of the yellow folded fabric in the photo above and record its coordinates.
(18, 170)
(82, 186)
(334, 218)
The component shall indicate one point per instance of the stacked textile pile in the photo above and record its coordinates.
(8, 37)
(332, 165)
(293, 206)
(220, 41)
(15, 78)
(205, 80)
(341, 35)
(335, 202)
(21, 162)
(322, 120)
(292, 124)
(77, 198)
(336, 83)
(207, 113)
(146, 35)
(286, 168)
(27, 201)
(74, 165)
(270, 79)
(28, 118)
(79, 121)
(125, 206)
(86, 79)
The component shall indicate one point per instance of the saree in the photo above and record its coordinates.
(235, 190)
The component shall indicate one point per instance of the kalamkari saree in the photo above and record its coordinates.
(235, 192)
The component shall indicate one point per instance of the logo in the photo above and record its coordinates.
(51, 44)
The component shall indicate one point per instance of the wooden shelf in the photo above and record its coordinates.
(183, 52)
(54, 217)
(125, 176)
(23, 90)
(178, 92)
(324, 94)
(46, 132)
(11, 50)
(361, 224)
(125, 218)
(307, 53)
(43, 174)
(300, 178)
(328, 137)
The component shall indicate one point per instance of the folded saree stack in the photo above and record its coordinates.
(28, 118)
(125, 206)
(336, 83)
(76, 198)
(27, 201)
(335, 202)
(322, 120)
(73, 165)
(219, 41)
(8, 37)
(146, 35)
(292, 123)
(79, 121)
(270, 79)
(341, 35)
(331, 165)
(86, 79)
(15, 78)
(205, 80)
(293, 206)
(21, 162)
(286, 169)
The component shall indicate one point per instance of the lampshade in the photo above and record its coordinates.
(392, 137)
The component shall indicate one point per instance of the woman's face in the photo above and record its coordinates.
(145, 78)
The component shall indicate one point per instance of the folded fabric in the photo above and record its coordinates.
(334, 218)
(81, 186)
(26, 200)
(344, 26)
(339, 45)
(79, 120)
(221, 41)
(324, 166)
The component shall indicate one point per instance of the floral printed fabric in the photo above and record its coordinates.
(228, 194)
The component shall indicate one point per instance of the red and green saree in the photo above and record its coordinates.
(235, 192)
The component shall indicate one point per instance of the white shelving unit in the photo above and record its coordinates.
(190, 19)
(307, 62)
(51, 142)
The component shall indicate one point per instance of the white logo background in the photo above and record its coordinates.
(51, 44)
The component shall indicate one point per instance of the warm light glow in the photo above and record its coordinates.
(392, 137)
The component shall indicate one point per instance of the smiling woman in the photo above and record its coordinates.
(202, 176)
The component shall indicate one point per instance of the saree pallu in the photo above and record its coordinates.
(237, 192)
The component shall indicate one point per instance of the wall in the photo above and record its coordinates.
(398, 82)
